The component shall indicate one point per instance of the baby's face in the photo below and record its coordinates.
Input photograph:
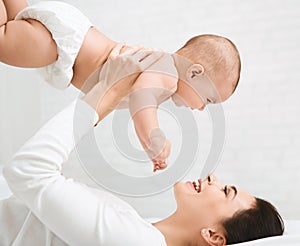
(197, 92)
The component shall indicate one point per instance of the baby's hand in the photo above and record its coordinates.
(161, 161)
(158, 149)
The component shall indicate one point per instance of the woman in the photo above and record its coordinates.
(64, 212)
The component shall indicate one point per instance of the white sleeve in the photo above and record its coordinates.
(34, 175)
(71, 210)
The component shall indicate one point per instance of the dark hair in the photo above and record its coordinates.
(263, 220)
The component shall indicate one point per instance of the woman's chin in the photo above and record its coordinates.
(183, 189)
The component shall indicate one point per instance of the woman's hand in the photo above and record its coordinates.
(117, 76)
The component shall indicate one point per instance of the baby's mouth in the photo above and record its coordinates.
(197, 185)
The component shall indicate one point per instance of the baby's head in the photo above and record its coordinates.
(209, 70)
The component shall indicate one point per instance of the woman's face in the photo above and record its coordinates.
(207, 202)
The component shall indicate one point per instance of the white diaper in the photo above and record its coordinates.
(68, 27)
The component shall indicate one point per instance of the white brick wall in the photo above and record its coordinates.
(263, 116)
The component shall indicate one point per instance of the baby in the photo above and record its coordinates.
(59, 40)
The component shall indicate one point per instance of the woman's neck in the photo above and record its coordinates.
(171, 228)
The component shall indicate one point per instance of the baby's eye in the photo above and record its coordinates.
(208, 100)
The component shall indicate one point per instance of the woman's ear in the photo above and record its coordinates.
(213, 238)
(194, 71)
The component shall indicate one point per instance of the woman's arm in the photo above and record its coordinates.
(68, 208)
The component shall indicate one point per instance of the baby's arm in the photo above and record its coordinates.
(143, 103)
(151, 137)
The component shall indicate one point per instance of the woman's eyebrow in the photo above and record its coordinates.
(235, 191)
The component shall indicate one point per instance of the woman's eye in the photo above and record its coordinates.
(208, 100)
(208, 178)
(225, 189)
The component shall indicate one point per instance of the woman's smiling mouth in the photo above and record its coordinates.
(194, 186)
(197, 185)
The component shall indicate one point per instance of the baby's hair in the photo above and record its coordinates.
(218, 55)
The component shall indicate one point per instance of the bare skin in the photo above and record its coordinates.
(28, 44)
(12, 8)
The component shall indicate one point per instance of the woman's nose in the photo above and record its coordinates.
(212, 180)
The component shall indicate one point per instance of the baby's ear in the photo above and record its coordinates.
(194, 71)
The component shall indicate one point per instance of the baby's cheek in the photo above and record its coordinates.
(195, 98)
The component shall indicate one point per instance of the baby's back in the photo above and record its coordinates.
(93, 53)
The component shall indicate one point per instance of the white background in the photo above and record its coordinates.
(262, 150)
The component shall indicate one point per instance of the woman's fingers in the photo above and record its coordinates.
(118, 75)
(147, 58)
(132, 60)
(138, 54)
(122, 50)
(115, 51)
(131, 50)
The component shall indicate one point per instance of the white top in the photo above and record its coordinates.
(60, 209)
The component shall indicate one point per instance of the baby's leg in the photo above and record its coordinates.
(3, 15)
(13, 7)
(26, 43)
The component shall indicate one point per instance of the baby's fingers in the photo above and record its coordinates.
(155, 168)
(159, 165)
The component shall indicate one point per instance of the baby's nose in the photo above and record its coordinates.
(202, 108)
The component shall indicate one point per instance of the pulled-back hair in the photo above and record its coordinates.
(218, 55)
(263, 220)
